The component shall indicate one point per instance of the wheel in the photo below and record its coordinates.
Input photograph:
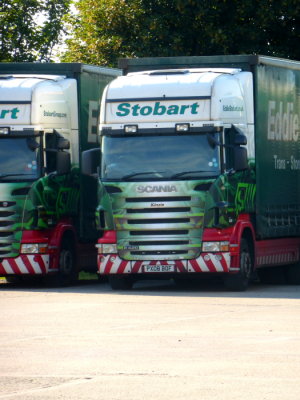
(68, 271)
(272, 275)
(240, 281)
(14, 279)
(118, 282)
(293, 274)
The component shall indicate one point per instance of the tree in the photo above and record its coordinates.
(30, 29)
(104, 30)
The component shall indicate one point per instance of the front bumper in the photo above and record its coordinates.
(206, 263)
(31, 264)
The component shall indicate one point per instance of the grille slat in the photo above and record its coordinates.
(159, 243)
(159, 253)
(159, 233)
(157, 210)
(157, 199)
(159, 221)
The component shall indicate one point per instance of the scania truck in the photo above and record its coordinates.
(48, 116)
(200, 162)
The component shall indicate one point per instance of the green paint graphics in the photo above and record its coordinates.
(245, 197)
(229, 196)
(38, 205)
(160, 224)
(51, 198)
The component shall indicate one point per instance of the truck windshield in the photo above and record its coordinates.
(159, 157)
(19, 158)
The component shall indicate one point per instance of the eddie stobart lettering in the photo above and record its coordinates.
(156, 188)
(12, 113)
(125, 109)
(283, 122)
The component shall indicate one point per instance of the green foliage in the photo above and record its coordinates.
(30, 29)
(104, 30)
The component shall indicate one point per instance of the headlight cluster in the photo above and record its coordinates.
(34, 248)
(210, 247)
(107, 248)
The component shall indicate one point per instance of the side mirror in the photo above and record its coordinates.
(63, 144)
(63, 163)
(240, 139)
(90, 161)
(240, 160)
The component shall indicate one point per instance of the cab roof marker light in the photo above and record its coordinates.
(130, 128)
(4, 130)
(182, 127)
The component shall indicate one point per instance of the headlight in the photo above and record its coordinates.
(34, 248)
(107, 248)
(211, 247)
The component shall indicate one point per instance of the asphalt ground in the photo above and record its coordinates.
(157, 341)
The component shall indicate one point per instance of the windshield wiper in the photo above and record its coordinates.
(7, 175)
(213, 173)
(129, 176)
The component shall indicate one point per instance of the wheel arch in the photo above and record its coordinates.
(63, 231)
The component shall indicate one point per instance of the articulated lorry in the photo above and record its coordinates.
(48, 115)
(201, 169)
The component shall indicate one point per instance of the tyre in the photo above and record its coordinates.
(118, 282)
(68, 271)
(272, 275)
(240, 281)
(14, 279)
(293, 274)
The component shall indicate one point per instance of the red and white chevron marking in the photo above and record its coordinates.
(25, 264)
(207, 262)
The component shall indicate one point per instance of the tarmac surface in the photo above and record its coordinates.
(157, 341)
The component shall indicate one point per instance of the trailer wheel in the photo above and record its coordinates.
(240, 281)
(120, 282)
(293, 274)
(272, 275)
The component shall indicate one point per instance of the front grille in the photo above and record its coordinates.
(158, 227)
(11, 211)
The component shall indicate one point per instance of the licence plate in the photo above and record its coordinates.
(159, 268)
